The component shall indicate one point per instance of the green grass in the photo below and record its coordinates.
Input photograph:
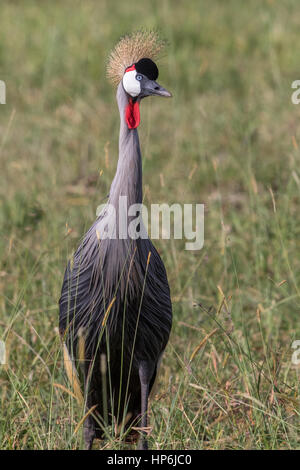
(229, 138)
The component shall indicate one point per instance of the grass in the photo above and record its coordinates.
(230, 139)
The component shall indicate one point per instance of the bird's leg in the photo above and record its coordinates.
(88, 433)
(145, 374)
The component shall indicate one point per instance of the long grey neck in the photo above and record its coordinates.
(128, 177)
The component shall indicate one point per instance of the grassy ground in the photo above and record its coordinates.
(229, 139)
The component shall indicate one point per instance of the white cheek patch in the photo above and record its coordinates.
(131, 85)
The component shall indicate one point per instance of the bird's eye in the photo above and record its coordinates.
(139, 77)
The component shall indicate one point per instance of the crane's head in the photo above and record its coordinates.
(139, 80)
(131, 63)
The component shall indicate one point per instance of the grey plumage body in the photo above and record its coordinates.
(134, 334)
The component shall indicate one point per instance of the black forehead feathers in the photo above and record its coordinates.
(147, 67)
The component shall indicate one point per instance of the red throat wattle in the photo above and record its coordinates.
(132, 114)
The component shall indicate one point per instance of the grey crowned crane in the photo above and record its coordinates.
(115, 298)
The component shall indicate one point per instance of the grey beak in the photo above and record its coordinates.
(154, 88)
